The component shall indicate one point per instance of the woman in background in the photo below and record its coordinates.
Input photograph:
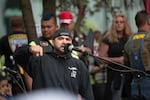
(112, 49)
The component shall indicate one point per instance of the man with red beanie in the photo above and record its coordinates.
(67, 21)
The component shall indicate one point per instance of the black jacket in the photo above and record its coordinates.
(52, 71)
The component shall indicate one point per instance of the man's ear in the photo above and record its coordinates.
(148, 22)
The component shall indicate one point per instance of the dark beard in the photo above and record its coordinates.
(60, 53)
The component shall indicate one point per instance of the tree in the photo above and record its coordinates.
(77, 5)
(81, 6)
(2, 28)
(25, 6)
(49, 6)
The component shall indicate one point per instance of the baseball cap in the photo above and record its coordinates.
(65, 17)
(61, 32)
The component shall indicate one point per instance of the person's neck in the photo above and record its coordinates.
(144, 29)
(120, 34)
(60, 54)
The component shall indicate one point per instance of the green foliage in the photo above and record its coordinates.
(88, 24)
(2, 59)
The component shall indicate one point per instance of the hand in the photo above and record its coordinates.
(1, 98)
(84, 49)
(122, 60)
(79, 97)
(36, 50)
(96, 69)
(9, 90)
(117, 59)
(6, 89)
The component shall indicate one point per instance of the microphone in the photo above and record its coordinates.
(69, 48)
(4, 68)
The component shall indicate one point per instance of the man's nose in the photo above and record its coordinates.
(64, 41)
(45, 29)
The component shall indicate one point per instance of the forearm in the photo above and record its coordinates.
(96, 69)
(117, 59)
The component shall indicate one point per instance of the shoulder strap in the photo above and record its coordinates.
(135, 56)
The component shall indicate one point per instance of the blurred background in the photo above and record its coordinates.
(95, 14)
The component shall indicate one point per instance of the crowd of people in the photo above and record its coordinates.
(115, 67)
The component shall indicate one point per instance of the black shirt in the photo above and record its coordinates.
(114, 77)
(53, 71)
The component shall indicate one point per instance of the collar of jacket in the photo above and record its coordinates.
(68, 56)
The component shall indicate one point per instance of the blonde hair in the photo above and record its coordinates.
(112, 32)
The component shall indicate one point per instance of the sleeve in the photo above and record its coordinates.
(35, 65)
(85, 86)
(29, 68)
(22, 55)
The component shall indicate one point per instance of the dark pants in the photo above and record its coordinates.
(98, 90)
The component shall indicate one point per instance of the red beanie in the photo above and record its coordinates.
(65, 17)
